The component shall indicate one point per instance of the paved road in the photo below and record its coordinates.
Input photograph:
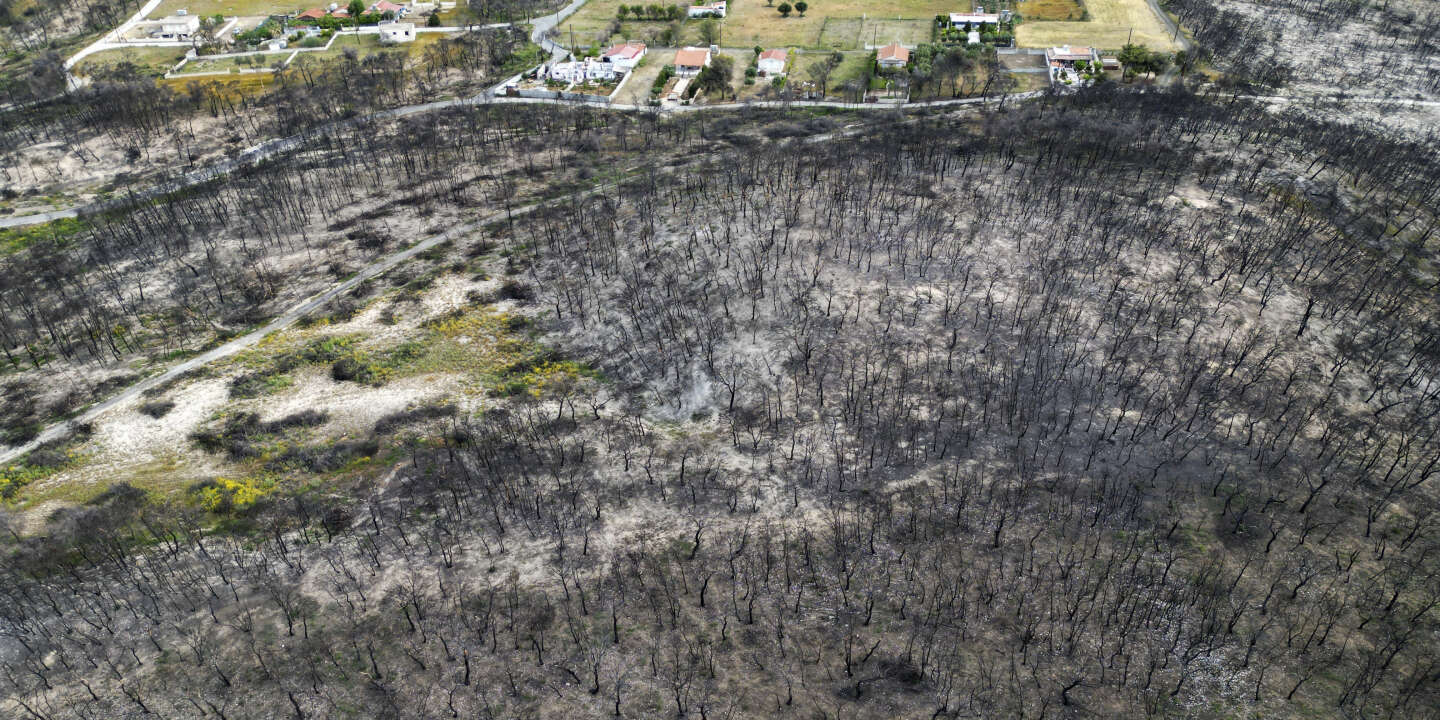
(543, 25)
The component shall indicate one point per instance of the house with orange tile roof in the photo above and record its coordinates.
(893, 55)
(689, 61)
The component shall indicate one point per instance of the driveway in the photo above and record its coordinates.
(543, 25)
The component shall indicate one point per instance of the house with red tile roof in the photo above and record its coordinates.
(772, 62)
(625, 56)
(892, 56)
(311, 14)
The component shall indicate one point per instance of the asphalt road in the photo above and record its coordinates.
(543, 25)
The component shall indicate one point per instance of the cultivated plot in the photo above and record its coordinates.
(232, 8)
(840, 25)
(1112, 24)
(147, 60)
(1033, 10)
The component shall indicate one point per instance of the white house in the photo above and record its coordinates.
(892, 56)
(397, 32)
(625, 57)
(588, 70)
(974, 19)
(772, 62)
(1066, 56)
(276, 44)
(689, 60)
(177, 27)
(715, 9)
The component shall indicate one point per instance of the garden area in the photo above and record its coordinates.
(228, 8)
(1041, 10)
(151, 61)
(1111, 24)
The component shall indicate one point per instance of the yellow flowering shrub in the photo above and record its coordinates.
(547, 375)
(224, 495)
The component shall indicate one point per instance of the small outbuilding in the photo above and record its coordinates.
(772, 62)
(397, 32)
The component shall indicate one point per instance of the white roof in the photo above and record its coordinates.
(957, 18)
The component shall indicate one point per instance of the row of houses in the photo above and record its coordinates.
(895, 55)
(335, 11)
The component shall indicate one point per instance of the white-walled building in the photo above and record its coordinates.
(772, 62)
(175, 27)
(397, 32)
(974, 19)
(716, 9)
(581, 71)
(625, 57)
(689, 60)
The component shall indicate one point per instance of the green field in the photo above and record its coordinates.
(908, 32)
(838, 33)
(232, 8)
(154, 61)
(839, 24)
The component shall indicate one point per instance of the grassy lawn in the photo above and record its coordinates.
(837, 24)
(1110, 25)
(1025, 82)
(637, 88)
(1051, 10)
(741, 60)
(589, 25)
(230, 64)
(150, 60)
(232, 8)
(906, 32)
(852, 67)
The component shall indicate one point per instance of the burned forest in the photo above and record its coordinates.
(361, 397)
